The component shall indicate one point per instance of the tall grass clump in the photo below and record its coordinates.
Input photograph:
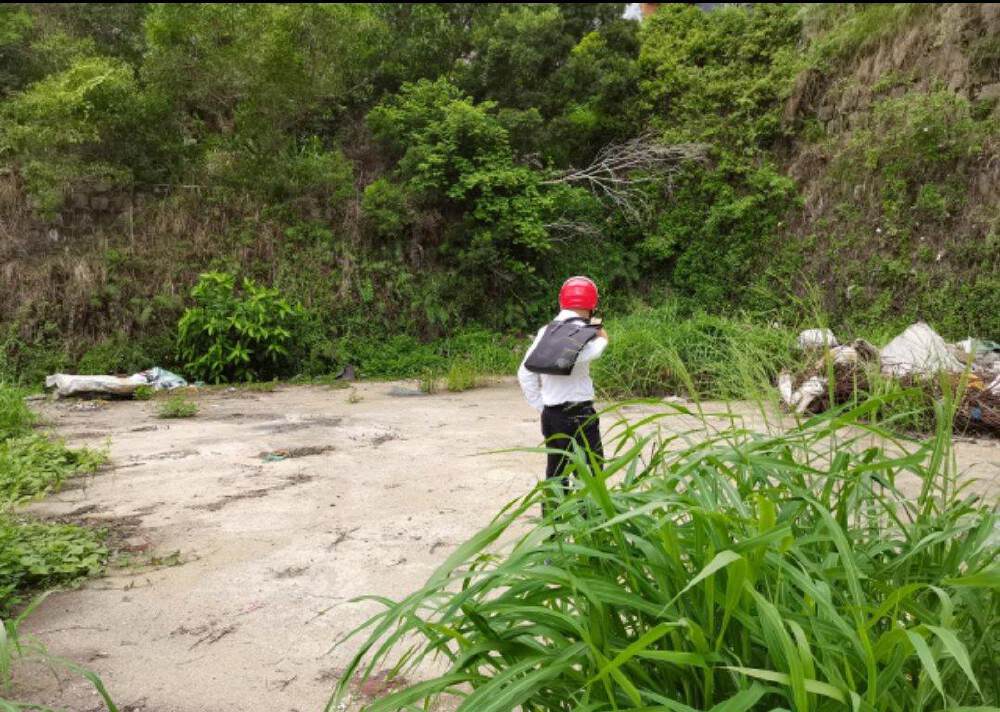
(733, 571)
(15, 416)
(659, 351)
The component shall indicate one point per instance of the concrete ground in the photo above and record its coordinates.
(250, 527)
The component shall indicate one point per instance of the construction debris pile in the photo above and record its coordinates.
(917, 357)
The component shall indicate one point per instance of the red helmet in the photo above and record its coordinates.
(578, 293)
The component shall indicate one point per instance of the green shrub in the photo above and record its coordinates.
(743, 572)
(429, 382)
(144, 393)
(177, 407)
(31, 465)
(237, 335)
(26, 361)
(36, 555)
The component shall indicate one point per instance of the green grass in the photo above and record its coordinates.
(402, 356)
(659, 351)
(738, 572)
(15, 416)
(462, 376)
(848, 30)
(177, 407)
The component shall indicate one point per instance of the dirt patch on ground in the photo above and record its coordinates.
(290, 481)
(241, 572)
(290, 452)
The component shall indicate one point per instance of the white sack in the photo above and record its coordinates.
(918, 351)
(67, 385)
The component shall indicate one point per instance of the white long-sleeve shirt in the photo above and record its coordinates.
(542, 389)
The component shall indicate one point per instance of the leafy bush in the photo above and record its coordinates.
(454, 154)
(486, 352)
(36, 555)
(404, 356)
(177, 407)
(237, 335)
(742, 572)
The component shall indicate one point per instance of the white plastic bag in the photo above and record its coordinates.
(817, 339)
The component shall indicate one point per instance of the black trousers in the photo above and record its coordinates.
(563, 424)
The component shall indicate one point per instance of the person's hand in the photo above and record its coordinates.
(602, 333)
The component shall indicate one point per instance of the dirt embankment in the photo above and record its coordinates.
(251, 526)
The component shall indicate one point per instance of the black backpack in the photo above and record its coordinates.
(560, 346)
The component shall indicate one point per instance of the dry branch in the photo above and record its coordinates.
(620, 171)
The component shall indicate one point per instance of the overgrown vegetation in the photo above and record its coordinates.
(665, 351)
(35, 555)
(398, 174)
(742, 572)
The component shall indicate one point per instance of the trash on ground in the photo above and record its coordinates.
(810, 391)
(162, 379)
(69, 385)
(917, 357)
(983, 356)
(980, 407)
(799, 399)
(817, 339)
(919, 351)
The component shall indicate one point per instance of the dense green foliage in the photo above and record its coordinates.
(397, 169)
(236, 335)
(745, 572)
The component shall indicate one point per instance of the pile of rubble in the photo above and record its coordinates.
(918, 356)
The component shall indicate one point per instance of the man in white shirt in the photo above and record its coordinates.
(566, 402)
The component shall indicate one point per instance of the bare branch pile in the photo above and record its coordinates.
(620, 171)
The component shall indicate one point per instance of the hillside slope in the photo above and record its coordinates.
(395, 168)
